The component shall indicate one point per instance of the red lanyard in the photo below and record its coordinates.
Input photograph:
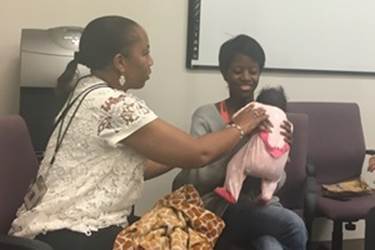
(224, 112)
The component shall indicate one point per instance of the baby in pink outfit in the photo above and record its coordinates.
(264, 155)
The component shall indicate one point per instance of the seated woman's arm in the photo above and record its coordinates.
(154, 169)
(371, 164)
(163, 143)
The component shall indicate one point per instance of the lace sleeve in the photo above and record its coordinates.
(121, 116)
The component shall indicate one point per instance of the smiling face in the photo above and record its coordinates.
(138, 61)
(242, 77)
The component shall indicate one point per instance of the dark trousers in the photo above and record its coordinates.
(264, 227)
(69, 240)
(370, 230)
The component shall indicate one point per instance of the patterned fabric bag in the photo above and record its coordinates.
(178, 221)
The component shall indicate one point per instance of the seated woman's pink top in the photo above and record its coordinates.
(264, 156)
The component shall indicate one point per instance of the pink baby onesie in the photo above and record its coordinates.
(263, 156)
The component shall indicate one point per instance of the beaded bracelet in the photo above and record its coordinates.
(238, 127)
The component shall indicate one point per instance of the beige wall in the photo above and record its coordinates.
(173, 91)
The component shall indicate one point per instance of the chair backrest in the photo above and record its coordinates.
(292, 193)
(18, 166)
(336, 141)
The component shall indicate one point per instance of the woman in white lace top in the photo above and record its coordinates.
(109, 141)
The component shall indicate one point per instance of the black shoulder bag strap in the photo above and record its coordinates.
(60, 120)
(38, 188)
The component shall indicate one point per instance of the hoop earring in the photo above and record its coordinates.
(122, 80)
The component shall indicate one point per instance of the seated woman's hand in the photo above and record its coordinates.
(286, 131)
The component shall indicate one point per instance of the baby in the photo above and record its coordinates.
(264, 155)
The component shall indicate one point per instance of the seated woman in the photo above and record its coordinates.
(241, 61)
(108, 141)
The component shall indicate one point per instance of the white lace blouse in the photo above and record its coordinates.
(94, 180)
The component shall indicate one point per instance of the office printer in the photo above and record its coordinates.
(44, 54)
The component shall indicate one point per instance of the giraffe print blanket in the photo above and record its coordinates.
(177, 222)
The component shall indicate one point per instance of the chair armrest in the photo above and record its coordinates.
(17, 243)
(370, 152)
(310, 196)
(310, 168)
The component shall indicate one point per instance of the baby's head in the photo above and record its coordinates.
(273, 96)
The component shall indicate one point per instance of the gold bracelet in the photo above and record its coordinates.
(238, 127)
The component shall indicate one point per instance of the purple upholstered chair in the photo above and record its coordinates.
(337, 151)
(296, 194)
(18, 166)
